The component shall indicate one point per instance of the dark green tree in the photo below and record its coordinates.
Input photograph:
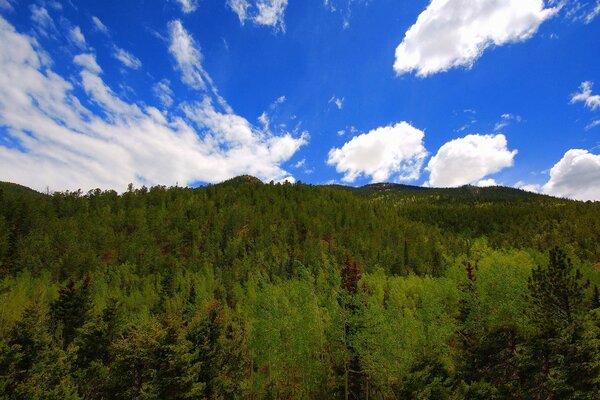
(562, 357)
(70, 311)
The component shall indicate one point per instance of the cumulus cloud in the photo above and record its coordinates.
(529, 187)
(261, 12)
(469, 159)
(591, 101)
(487, 182)
(99, 25)
(453, 33)
(576, 176)
(126, 58)
(65, 145)
(395, 152)
(188, 6)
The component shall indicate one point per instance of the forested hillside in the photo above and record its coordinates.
(279, 291)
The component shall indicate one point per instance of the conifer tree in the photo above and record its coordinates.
(353, 379)
(70, 311)
(562, 358)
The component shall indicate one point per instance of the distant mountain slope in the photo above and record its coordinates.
(15, 188)
(463, 193)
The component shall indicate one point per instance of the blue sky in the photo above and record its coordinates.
(441, 93)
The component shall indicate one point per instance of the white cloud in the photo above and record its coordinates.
(43, 22)
(187, 55)
(591, 101)
(77, 37)
(487, 182)
(88, 61)
(469, 159)
(65, 145)
(344, 8)
(260, 12)
(593, 124)
(6, 5)
(162, 91)
(529, 187)
(593, 13)
(188, 60)
(395, 152)
(100, 27)
(240, 7)
(271, 13)
(579, 11)
(505, 120)
(338, 102)
(126, 58)
(576, 176)
(188, 6)
(452, 33)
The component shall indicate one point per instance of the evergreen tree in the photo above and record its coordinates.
(353, 375)
(70, 311)
(562, 358)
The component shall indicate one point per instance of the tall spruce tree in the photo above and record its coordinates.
(562, 358)
(70, 311)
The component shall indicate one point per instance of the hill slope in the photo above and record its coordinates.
(252, 290)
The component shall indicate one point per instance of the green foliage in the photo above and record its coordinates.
(250, 290)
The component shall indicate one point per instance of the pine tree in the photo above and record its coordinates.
(562, 358)
(70, 311)
(353, 376)
(556, 294)
(595, 298)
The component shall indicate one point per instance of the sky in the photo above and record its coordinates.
(441, 93)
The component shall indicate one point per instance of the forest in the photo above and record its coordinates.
(252, 290)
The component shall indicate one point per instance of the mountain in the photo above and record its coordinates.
(463, 193)
(245, 289)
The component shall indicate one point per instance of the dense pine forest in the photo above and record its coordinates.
(247, 290)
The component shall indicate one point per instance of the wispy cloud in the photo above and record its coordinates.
(591, 101)
(76, 36)
(506, 120)
(593, 124)
(126, 58)
(162, 91)
(337, 101)
(117, 142)
(261, 12)
(6, 5)
(188, 6)
(187, 55)
(99, 25)
(42, 21)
